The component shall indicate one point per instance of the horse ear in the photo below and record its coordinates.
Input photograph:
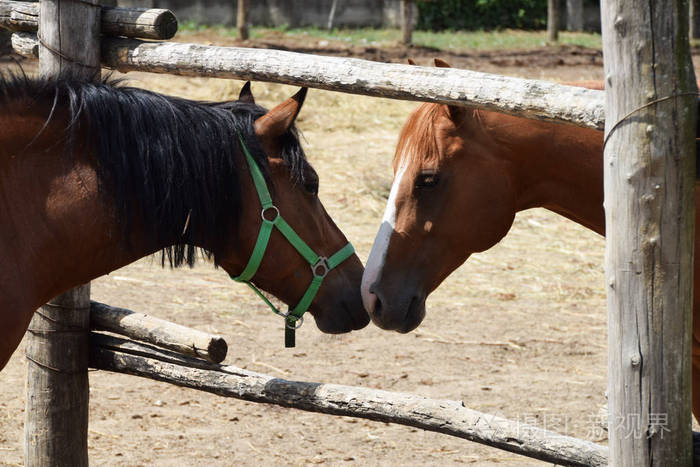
(279, 120)
(441, 63)
(411, 62)
(456, 112)
(246, 95)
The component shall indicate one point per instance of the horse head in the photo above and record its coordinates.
(290, 265)
(96, 176)
(451, 196)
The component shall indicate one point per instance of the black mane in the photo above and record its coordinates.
(161, 160)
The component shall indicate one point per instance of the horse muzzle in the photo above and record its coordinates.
(402, 314)
(337, 313)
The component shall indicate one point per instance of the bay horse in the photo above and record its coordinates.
(461, 175)
(94, 176)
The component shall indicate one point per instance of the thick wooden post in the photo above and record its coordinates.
(649, 193)
(242, 20)
(406, 21)
(56, 416)
(70, 37)
(574, 15)
(694, 19)
(57, 349)
(552, 21)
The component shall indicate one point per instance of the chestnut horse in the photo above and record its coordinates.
(460, 176)
(95, 176)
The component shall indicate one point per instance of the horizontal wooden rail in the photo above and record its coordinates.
(534, 99)
(151, 23)
(442, 416)
(158, 332)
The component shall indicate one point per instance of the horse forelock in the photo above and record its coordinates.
(164, 162)
(418, 141)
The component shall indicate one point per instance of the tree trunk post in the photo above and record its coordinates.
(406, 22)
(694, 19)
(242, 20)
(649, 196)
(70, 38)
(56, 414)
(331, 15)
(574, 15)
(552, 21)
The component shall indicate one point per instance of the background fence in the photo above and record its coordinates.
(450, 14)
(292, 13)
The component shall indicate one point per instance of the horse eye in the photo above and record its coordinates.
(311, 187)
(427, 180)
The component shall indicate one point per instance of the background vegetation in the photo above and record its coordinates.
(446, 40)
(482, 14)
(439, 15)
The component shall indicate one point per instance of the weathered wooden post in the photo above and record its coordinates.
(574, 15)
(552, 21)
(649, 193)
(694, 19)
(242, 20)
(406, 21)
(57, 349)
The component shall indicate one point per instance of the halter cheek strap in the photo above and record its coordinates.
(320, 265)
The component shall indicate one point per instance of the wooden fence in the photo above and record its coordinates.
(536, 99)
(526, 98)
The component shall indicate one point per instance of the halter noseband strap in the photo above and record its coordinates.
(320, 265)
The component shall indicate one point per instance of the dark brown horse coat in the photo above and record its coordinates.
(93, 177)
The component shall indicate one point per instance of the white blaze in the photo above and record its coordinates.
(377, 255)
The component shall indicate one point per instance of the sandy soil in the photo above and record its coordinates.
(519, 331)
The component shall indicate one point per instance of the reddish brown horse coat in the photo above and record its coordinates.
(481, 168)
(60, 229)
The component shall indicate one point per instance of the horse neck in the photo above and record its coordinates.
(57, 230)
(557, 167)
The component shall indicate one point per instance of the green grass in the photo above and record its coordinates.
(455, 41)
(450, 40)
(191, 26)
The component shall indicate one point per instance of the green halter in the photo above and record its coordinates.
(320, 265)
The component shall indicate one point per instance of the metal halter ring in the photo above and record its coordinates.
(265, 219)
(294, 325)
(322, 264)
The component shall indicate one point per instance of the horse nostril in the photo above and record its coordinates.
(377, 309)
(374, 303)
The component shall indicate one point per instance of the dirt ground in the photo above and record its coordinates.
(518, 331)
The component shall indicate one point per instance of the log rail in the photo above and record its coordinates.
(442, 416)
(146, 23)
(159, 332)
(535, 99)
